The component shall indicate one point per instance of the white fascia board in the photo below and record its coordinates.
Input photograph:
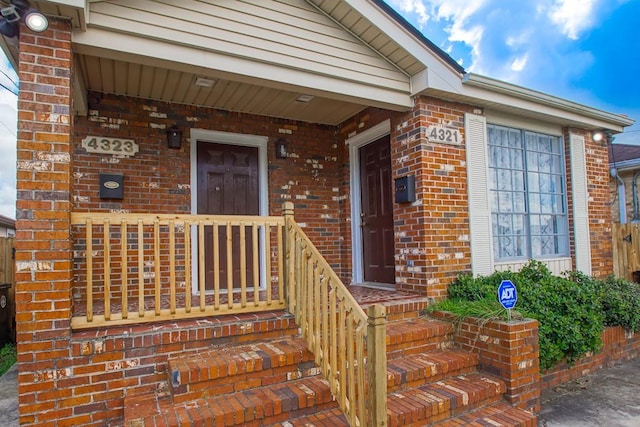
(440, 75)
(79, 4)
(118, 46)
(601, 118)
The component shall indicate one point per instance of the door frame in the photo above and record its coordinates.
(217, 137)
(355, 143)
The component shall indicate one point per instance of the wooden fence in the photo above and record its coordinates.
(7, 262)
(626, 251)
(7, 276)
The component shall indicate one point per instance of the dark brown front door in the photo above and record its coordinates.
(228, 185)
(377, 212)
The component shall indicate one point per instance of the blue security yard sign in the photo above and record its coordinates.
(507, 294)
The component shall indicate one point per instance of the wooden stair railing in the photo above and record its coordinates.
(349, 345)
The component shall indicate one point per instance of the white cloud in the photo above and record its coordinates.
(572, 16)
(520, 63)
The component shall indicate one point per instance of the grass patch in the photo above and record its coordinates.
(8, 356)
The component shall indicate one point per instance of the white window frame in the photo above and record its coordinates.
(527, 213)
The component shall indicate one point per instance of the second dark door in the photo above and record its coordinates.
(377, 212)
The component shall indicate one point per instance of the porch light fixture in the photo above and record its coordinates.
(281, 149)
(174, 137)
(602, 135)
(11, 15)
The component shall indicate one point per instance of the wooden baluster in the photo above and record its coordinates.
(141, 309)
(280, 253)
(342, 357)
(187, 266)
(256, 268)
(201, 265)
(216, 265)
(89, 258)
(243, 265)
(107, 269)
(333, 353)
(360, 391)
(351, 375)
(229, 265)
(156, 264)
(324, 311)
(317, 310)
(125, 268)
(172, 266)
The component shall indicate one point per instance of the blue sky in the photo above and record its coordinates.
(582, 50)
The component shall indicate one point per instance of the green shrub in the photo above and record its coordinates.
(8, 357)
(571, 310)
(621, 303)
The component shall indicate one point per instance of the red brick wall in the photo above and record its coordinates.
(431, 234)
(43, 259)
(157, 179)
(617, 344)
(508, 350)
(599, 203)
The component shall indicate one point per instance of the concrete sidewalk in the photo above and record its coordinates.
(9, 398)
(609, 397)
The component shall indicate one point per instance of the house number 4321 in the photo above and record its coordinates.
(102, 145)
(442, 134)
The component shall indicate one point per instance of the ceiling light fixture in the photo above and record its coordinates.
(304, 98)
(17, 10)
(204, 82)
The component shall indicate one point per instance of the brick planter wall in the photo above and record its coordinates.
(508, 350)
(617, 345)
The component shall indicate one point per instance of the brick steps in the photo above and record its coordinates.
(417, 335)
(224, 370)
(275, 382)
(265, 405)
(498, 414)
(418, 369)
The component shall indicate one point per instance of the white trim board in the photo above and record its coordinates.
(355, 143)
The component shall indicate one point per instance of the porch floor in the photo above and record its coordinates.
(365, 296)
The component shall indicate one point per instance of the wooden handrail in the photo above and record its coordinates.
(133, 268)
(349, 345)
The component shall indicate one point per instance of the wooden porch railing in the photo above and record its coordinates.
(349, 345)
(132, 268)
(626, 250)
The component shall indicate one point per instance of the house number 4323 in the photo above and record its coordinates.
(442, 134)
(102, 145)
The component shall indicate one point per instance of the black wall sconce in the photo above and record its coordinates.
(281, 149)
(174, 137)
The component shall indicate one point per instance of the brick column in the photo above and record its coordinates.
(432, 233)
(509, 350)
(43, 248)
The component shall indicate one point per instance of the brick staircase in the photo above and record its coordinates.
(275, 382)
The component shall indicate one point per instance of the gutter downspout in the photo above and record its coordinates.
(622, 201)
(634, 189)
